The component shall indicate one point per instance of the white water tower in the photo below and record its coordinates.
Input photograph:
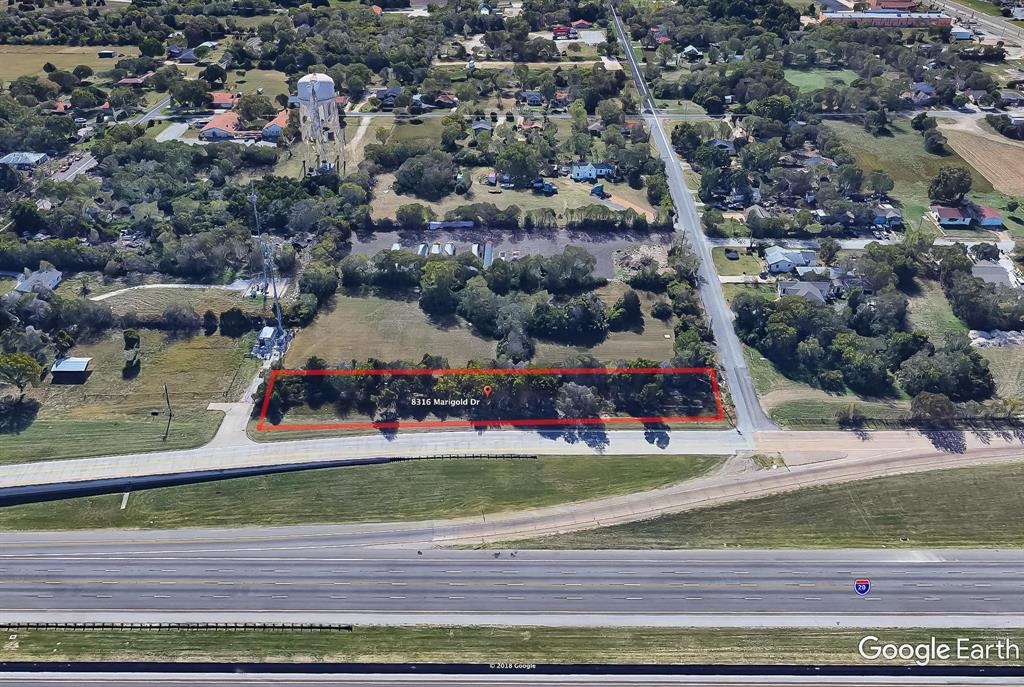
(319, 122)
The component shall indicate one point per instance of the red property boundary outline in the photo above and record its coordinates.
(262, 426)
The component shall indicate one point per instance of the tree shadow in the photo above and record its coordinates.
(657, 436)
(17, 416)
(946, 440)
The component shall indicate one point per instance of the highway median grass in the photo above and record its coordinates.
(967, 507)
(399, 491)
(486, 645)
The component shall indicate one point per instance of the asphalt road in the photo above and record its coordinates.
(996, 25)
(271, 575)
(749, 414)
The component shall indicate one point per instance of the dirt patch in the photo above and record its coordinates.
(997, 160)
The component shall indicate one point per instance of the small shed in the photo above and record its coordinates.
(70, 370)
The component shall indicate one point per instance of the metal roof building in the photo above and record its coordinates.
(24, 160)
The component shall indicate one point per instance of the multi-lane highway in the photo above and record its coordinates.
(267, 576)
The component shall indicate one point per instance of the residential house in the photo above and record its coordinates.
(387, 96)
(70, 370)
(174, 51)
(48, 278)
(922, 93)
(991, 272)
(659, 34)
(722, 144)
(1008, 98)
(531, 98)
(950, 217)
(377, 10)
(591, 171)
(136, 81)
(758, 212)
(562, 99)
(273, 129)
(479, 125)
(187, 56)
(222, 100)
(781, 260)
(986, 217)
(107, 54)
(887, 216)
(24, 160)
(221, 127)
(978, 96)
(692, 53)
(596, 128)
(816, 291)
(582, 25)
(561, 33)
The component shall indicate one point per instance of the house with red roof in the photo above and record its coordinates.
(987, 217)
(223, 100)
(136, 81)
(946, 216)
(221, 127)
(582, 25)
(275, 127)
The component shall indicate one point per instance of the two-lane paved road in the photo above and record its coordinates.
(321, 579)
(749, 414)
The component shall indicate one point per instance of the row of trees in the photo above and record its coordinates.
(390, 398)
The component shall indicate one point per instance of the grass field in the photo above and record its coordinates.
(152, 302)
(976, 507)
(111, 414)
(996, 160)
(796, 404)
(441, 644)
(808, 80)
(414, 491)
(767, 291)
(929, 310)
(903, 156)
(271, 81)
(26, 60)
(651, 343)
(1007, 367)
(369, 326)
(747, 264)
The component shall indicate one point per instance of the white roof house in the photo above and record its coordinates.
(70, 365)
(781, 259)
(23, 160)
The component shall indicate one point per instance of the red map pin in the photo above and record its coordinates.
(488, 390)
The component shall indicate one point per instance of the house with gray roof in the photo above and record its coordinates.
(781, 260)
(49, 279)
(817, 291)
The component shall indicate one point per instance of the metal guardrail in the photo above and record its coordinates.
(179, 627)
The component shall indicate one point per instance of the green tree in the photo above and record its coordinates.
(191, 92)
(880, 182)
(950, 185)
(253, 106)
(438, 284)
(20, 370)
(84, 98)
(151, 47)
(520, 161)
(828, 248)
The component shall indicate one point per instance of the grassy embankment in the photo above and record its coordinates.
(975, 507)
(414, 491)
(446, 644)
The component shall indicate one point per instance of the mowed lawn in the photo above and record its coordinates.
(27, 60)
(903, 156)
(271, 81)
(152, 302)
(745, 264)
(399, 491)
(110, 414)
(928, 309)
(969, 507)
(808, 80)
(369, 326)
